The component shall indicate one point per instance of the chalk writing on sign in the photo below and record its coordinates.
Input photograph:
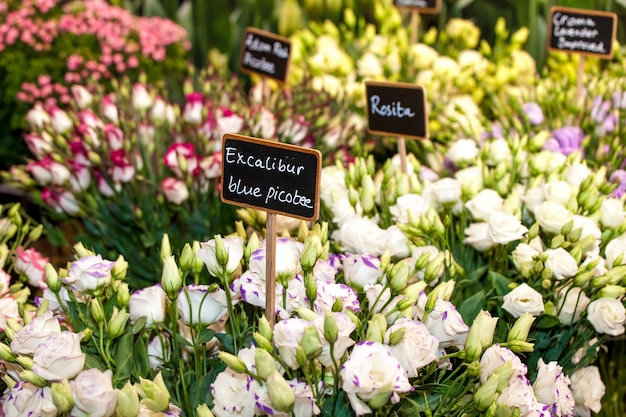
(582, 31)
(265, 54)
(271, 176)
(423, 6)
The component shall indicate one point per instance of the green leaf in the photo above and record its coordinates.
(500, 283)
(123, 357)
(337, 406)
(94, 361)
(141, 363)
(226, 341)
(205, 336)
(139, 324)
(547, 321)
(471, 306)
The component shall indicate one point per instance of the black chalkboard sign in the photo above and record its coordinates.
(265, 54)
(423, 6)
(587, 32)
(396, 109)
(271, 176)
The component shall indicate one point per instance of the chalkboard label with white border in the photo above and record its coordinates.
(265, 54)
(397, 109)
(271, 176)
(422, 6)
(587, 32)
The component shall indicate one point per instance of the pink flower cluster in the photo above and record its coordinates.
(123, 40)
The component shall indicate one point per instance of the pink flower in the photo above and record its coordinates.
(212, 165)
(114, 136)
(227, 122)
(192, 112)
(60, 200)
(60, 121)
(122, 170)
(82, 97)
(37, 117)
(81, 177)
(181, 158)
(89, 118)
(48, 171)
(39, 144)
(32, 264)
(175, 191)
(109, 109)
(294, 131)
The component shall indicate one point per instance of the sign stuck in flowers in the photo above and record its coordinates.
(587, 32)
(397, 109)
(271, 176)
(422, 6)
(265, 54)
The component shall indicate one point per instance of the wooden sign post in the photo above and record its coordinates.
(274, 177)
(397, 109)
(582, 31)
(417, 7)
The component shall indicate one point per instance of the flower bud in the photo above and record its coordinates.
(33, 378)
(221, 253)
(382, 396)
(154, 393)
(480, 335)
(203, 411)
(306, 313)
(166, 248)
(233, 362)
(487, 393)
(330, 328)
(81, 251)
(611, 291)
(118, 321)
(251, 246)
(123, 294)
(309, 253)
(62, 396)
(197, 265)
(264, 362)
(265, 329)
(127, 401)
(519, 346)
(262, 341)
(396, 336)
(280, 393)
(474, 368)
(6, 353)
(97, 311)
(119, 269)
(186, 258)
(399, 277)
(35, 233)
(504, 372)
(311, 343)
(432, 270)
(52, 278)
(520, 329)
(171, 280)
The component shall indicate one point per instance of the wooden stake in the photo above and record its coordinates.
(580, 75)
(402, 153)
(415, 25)
(270, 269)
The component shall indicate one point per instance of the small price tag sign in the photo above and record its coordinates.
(421, 6)
(396, 109)
(265, 54)
(271, 176)
(582, 31)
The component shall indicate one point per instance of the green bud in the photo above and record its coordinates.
(521, 328)
(33, 378)
(262, 341)
(575, 234)
(599, 282)
(171, 281)
(62, 396)
(399, 275)
(127, 401)
(265, 329)
(432, 270)
(306, 314)
(166, 248)
(35, 233)
(504, 372)
(197, 265)
(118, 321)
(309, 253)
(6, 353)
(265, 364)
(203, 411)
(567, 227)
(480, 335)
(281, 394)
(547, 275)
(533, 232)
(251, 246)
(396, 336)
(52, 278)
(311, 343)
(519, 346)
(97, 311)
(557, 241)
(123, 294)
(381, 397)
(154, 394)
(331, 331)
(81, 251)
(474, 368)
(186, 257)
(611, 291)
(233, 362)
(487, 393)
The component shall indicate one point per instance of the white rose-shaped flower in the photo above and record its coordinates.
(345, 327)
(234, 394)
(462, 152)
(615, 249)
(148, 302)
(422, 55)
(552, 216)
(8, 308)
(570, 304)
(288, 252)
(343, 210)
(523, 299)
(494, 357)
(446, 324)
(607, 315)
(28, 337)
(477, 236)
(498, 150)
(484, 204)
(93, 393)
(551, 387)
(558, 192)
(89, 273)
(332, 184)
(519, 393)
(471, 179)
(395, 241)
(576, 173)
(329, 293)
(523, 255)
(446, 191)
(25, 399)
(59, 356)
(370, 369)
(196, 305)
(561, 263)
(360, 270)
(413, 203)
(612, 211)
(360, 235)
(287, 336)
(505, 228)
(588, 390)
(234, 247)
(417, 348)
(369, 66)
(533, 198)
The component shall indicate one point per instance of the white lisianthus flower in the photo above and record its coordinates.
(504, 228)
(471, 179)
(416, 349)
(343, 211)
(571, 302)
(330, 293)
(371, 369)
(558, 192)
(396, 242)
(148, 302)
(494, 357)
(588, 390)
(158, 352)
(477, 236)
(446, 324)
(288, 252)
(37, 117)
(615, 249)
(31, 335)
(607, 316)
(59, 356)
(93, 394)
(25, 399)
(369, 66)
(196, 305)
(523, 255)
(552, 387)
(462, 152)
(576, 173)
(9, 308)
(523, 299)
(234, 247)
(612, 211)
(287, 336)
(484, 204)
(413, 203)
(89, 273)
(175, 190)
(519, 393)
(552, 216)
(533, 198)
(446, 68)
(360, 270)
(234, 394)
(561, 263)
(360, 235)
(422, 55)
(446, 191)
(498, 150)
(345, 327)
(141, 98)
